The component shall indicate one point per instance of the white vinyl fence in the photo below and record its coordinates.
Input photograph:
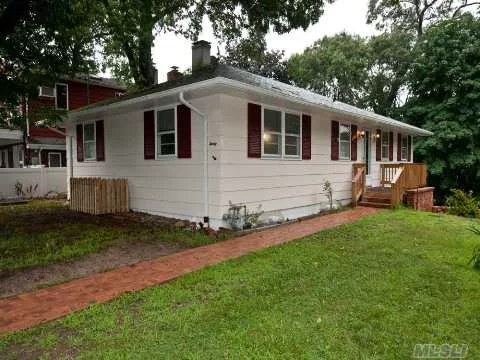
(47, 179)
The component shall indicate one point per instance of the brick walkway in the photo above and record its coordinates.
(29, 309)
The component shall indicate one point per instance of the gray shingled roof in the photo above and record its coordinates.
(282, 89)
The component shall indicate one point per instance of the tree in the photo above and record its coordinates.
(334, 66)
(389, 63)
(445, 87)
(369, 73)
(415, 15)
(131, 26)
(40, 41)
(251, 54)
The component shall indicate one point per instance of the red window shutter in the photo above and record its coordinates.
(149, 135)
(378, 144)
(390, 146)
(399, 147)
(100, 140)
(254, 131)
(409, 157)
(79, 142)
(335, 147)
(184, 132)
(306, 137)
(354, 135)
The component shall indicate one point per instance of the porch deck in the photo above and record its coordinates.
(395, 180)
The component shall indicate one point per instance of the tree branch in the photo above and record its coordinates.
(15, 11)
(457, 11)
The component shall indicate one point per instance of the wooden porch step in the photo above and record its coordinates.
(374, 204)
(377, 200)
(378, 195)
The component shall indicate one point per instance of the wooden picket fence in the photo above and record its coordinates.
(97, 196)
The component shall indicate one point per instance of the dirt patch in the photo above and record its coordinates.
(19, 281)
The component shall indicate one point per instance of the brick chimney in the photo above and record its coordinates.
(200, 55)
(173, 74)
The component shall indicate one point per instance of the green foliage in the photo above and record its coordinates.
(475, 260)
(328, 191)
(39, 43)
(343, 293)
(445, 99)
(368, 73)
(251, 54)
(463, 204)
(131, 26)
(415, 16)
(334, 66)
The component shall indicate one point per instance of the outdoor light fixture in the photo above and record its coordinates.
(377, 135)
(362, 133)
(266, 137)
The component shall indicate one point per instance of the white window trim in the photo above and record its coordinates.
(40, 93)
(169, 156)
(55, 153)
(94, 140)
(349, 125)
(406, 148)
(387, 157)
(56, 104)
(281, 156)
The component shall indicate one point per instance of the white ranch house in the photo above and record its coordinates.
(193, 145)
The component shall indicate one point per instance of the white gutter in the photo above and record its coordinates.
(206, 218)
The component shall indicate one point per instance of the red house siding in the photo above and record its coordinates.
(80, 94)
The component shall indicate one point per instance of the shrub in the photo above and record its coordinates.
(475, 260)
(463, 204)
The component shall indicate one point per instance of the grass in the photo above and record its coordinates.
(367, 290)
(44, 232)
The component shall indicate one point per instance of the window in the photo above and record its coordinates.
(89, 144)
(292, 134)
(46, 91)
(404, 155)
(385, 145)
(61, 96)
(54, 159)
(166, 133)
(281, 134)
(345, 141)
(272, 132)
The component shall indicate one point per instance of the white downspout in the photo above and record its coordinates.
(205, 156)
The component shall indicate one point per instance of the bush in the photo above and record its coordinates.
(475, 260)
(463, 204)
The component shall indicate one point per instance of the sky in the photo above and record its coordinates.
(343, 15)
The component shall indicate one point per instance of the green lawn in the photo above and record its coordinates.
(367, 290)
(44, 232)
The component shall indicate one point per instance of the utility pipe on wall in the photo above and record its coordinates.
(205, 156)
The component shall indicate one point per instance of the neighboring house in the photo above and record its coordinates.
(192, 146)
(45, 147)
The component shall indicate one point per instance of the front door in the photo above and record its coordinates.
(367, 151)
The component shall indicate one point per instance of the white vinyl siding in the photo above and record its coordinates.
(166, 133)
(345, 141)
(89, 143)
(385, 145)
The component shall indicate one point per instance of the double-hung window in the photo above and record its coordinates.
(272, 133)
(61, 96)
(344, 141)
(292, 135)
(166, 133)
(404, 148)
(385, 145)
(281, 134)
(89, 143)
